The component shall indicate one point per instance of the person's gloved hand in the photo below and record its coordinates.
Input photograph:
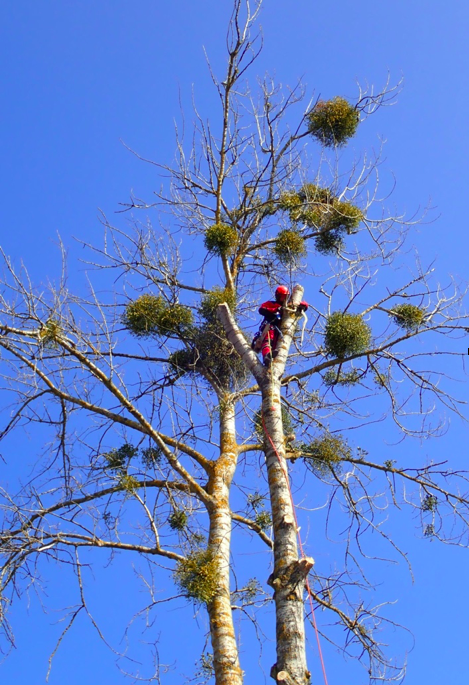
(302, 307)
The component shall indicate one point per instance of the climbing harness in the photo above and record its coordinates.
(260, 337)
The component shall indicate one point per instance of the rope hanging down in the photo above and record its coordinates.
(303, 556)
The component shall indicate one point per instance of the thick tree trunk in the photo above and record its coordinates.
(225, 649)
(289, 573)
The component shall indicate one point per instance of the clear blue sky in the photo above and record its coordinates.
(78, 77)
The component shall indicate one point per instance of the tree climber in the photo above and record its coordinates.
(269, 333)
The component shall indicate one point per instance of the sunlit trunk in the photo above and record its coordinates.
(225, 649)
(288, 575)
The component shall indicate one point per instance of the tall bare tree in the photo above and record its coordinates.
(159, 438)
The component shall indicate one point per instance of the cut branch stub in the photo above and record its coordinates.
(292, 576)
(281, 676)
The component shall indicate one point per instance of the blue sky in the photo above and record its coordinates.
(80, 77)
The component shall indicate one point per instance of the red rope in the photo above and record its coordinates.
(285, 473)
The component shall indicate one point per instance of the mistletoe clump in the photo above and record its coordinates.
(128, 483)
(211, 300)
(250, 591)
(289, 246)
(290, 202)
(210, 354)
(308, 205)
(182, 360)
(49, 333)
(263, 519)
(345, 217)
(151, 456)
(178, 520)
(408, 316)
(118, 458)
(151, 315)
(310, 192)
(329, 242)
(325, 453)
(197, 576)
(341, 218)
(331, 378)
(429, 503)
(218, 356)
(346, 334)
(221, 239)
(176, 318)
(333, 122)
(380, 379)
(318, 209)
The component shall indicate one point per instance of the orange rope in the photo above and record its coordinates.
(285, 473)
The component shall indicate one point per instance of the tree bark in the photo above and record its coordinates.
(288, 595)
(289, 574)
(225, 649)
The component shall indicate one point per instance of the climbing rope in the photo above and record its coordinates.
(303, 315)
(303, 556)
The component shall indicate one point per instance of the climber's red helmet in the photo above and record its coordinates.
(282, 293)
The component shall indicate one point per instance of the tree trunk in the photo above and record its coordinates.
(286, 579)
(289, 573)
(225, 649)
